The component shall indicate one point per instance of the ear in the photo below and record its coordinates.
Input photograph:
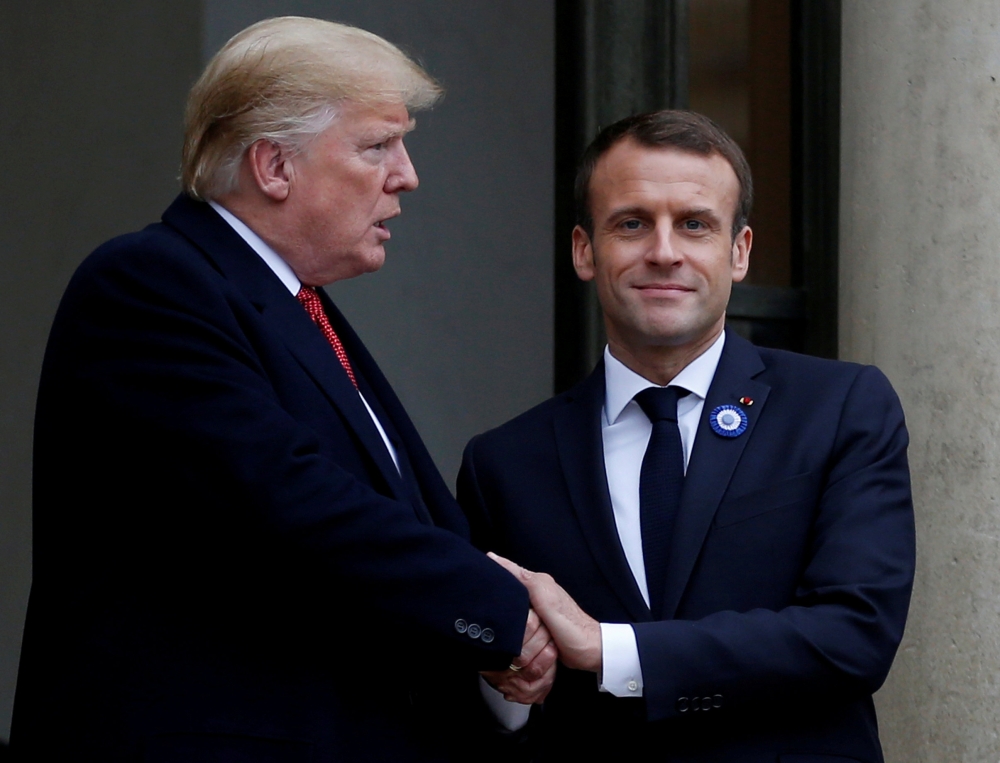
(583, 254)
(741, 253)
(270, 168)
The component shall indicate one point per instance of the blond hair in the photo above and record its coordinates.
(281, 80)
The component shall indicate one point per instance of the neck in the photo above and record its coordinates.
(660, 364)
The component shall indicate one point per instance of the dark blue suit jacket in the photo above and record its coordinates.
(227, 563)
(790, 565)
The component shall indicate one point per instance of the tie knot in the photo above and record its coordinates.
(660, 403)
(309, 298)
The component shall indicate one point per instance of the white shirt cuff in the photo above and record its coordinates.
(621, 672)
(511, 715)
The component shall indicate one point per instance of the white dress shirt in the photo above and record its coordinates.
(625, 430)
(292, 283)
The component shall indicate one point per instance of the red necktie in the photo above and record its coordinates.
(310, 301)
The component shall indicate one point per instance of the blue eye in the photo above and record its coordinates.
(693, 224)
(631, 225)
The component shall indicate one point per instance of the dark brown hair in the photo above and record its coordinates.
(670, 128)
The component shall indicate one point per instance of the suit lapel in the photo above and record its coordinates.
(286, 317)
(712, 463)
(581, 454)
(432, 497)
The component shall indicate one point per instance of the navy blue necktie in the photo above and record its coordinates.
(660, 483)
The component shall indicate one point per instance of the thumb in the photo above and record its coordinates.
(514, 569)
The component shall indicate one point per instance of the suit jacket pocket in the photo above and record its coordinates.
(214, 747)
(739, 508)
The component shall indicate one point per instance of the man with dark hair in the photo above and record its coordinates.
(722, 534)
(685, 131)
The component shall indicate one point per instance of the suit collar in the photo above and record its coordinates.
(271, 258)
(581, 453)
(245, 269)
(713, 461)
(622, 383)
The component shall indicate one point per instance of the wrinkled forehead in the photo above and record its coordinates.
(633, 168)
(374, 119)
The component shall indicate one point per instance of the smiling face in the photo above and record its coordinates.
(662, 252)
(340, 192)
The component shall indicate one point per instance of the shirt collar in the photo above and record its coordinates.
(621, 383)
(266, 253)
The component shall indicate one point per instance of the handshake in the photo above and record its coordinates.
(557, 629)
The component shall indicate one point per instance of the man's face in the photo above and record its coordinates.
(342, 189)
(662, 253)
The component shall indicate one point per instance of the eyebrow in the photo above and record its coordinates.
(379, 135)
(640, 211)
(400, 132)
(631, 211)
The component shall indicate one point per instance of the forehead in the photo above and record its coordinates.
(372, 120)
(632, 173)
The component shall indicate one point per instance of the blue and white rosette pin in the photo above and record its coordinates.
(728, 421)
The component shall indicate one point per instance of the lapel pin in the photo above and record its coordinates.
(728, 421)
(748, 401)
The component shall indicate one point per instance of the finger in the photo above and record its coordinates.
(532, 625)
(511, 689)
(531, 628)
(542, 663)
(514, 569)
(529, 692)
(533, 646)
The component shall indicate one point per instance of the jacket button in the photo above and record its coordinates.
(717, 700)
(474, 631)
(706, 703)
(683, 703)
(461, 626)
(487, 636)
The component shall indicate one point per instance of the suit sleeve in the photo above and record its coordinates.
(152, 359)
(841, 631)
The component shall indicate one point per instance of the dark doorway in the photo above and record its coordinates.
(768, 72)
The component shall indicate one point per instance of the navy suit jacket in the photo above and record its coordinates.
(790, 566)
(227, 564)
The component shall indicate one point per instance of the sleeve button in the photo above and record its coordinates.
(683, 703)
(717, 701)
(461, 626)
(474, 631)
(487, 636)
(632, 686)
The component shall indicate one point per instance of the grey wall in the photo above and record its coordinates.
(91, 97)
(920, 297)
(460, 317)
(90, 123)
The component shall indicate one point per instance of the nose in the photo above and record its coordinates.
(402, 177)
(664, 249)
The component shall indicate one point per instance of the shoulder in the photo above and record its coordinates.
(155, 268)
(811, 375)
(153, 251)
(527, 427)
(833, 401)
(531, 435)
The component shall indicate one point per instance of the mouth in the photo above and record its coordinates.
(664, 288)
(381, 231)
(380, 225)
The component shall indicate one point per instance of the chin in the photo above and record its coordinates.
(375, 260)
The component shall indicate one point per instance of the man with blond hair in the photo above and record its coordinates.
(243, 551)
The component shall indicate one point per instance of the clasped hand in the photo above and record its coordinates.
(556, 628)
